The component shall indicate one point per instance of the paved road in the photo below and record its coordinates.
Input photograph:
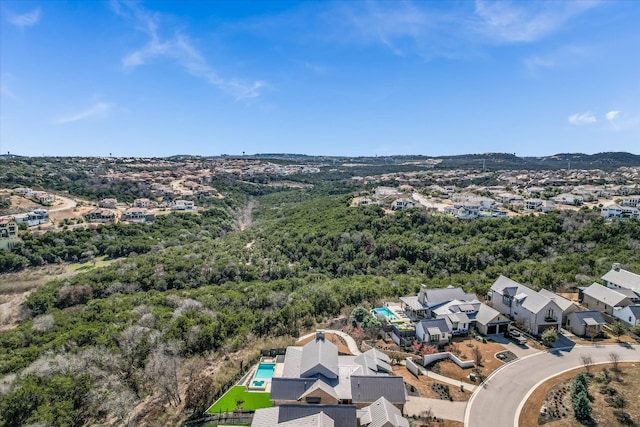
(67, 204)
(499, 401)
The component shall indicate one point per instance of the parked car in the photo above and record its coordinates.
(517, 336)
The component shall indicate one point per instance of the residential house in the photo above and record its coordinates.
(182, 205)
(427, 300)
(22, 191)
(8, 233)
(490, 321)
(108, 203)
(632, 200)
(42, 197)
(403, 203)
(533, 204)
(144, 203)
(100, 215)
(33, 218)
(603, 299)
(434, 331)
(382, 413)
(619, 278)
(138, 215)
(531, 311)
(568, 199)
(316, 374)
(567, 306)
(585, 323)
(288, 415)
(630, 315)
(612, 211)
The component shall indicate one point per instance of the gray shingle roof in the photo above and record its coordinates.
(290, 389)
(487, 315)
(382, 413)
(624, 279)
(306, 415)
(319, 357)
(438, 296)
(635, 309)
(440, 324)
(590, 317)
(526, 297)
(562, 302)
(605, 295)
(368, 389)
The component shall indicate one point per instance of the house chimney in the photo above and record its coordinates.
(320, 335)
(616, 267)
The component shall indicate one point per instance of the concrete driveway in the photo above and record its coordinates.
(440, 408)
(499, 400)
(519, 350)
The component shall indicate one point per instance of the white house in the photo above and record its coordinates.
(567, 306)
(585, 323)
(630, 314)
(533, 312)
(601, 298)
(434, 331)
(619, 278)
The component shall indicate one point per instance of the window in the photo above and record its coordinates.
(506, 300)
(313, 399)
(629, 319)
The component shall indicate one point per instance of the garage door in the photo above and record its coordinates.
(491, 329)
(503, 328)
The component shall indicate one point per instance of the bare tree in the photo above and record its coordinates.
(199, 393)
(587, 361)
(615, 360)
(162, 371)
(477, 355)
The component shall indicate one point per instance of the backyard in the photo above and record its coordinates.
(238, 398)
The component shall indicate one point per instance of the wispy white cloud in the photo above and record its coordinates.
(582, 118)
(179, 48)
(415, 27)
(98, 111)
(612, 115)
(516, 22)
(26, 19)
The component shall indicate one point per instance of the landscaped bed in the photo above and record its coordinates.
(553, 394)
(238, 398)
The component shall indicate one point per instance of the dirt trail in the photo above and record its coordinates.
(244, 216)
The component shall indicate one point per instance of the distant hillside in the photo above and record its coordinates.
(587, 161)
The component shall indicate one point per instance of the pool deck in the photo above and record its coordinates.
(249, 377)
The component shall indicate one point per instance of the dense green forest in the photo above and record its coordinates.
(94, 345)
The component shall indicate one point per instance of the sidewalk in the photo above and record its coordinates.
(441, 378)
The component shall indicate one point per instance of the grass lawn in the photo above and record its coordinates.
(229, 401)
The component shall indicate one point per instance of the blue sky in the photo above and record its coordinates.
(157, 78)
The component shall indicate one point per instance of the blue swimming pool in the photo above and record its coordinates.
(390, 315)
(265, 371)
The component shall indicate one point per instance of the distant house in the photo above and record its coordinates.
(585, 323)
(533, 312)
(490, 321)
(100, 215)
(182, 205)
(630, 315)
(434, 331)
(42, 197)
(108, 203)
(33, 218)
(8, 233)
(22, 191)
(632, 200)
(144, 203)
(568, 199)
(403, 203)
(619, 278)
(613, 211)
(603, 299)
(138, 215)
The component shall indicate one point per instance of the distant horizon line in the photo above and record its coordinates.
(284, 154)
